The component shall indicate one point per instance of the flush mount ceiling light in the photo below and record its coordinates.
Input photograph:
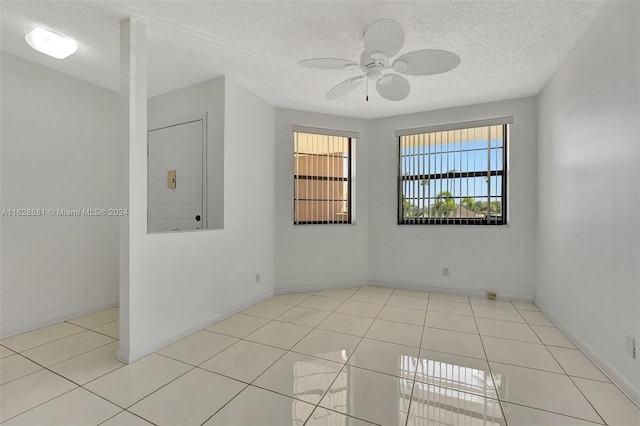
(50, 43)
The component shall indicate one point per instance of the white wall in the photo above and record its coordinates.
(59, 150)
(179, 282)
(589, 226)
(307, 256)
(480, 258)
(198, 99)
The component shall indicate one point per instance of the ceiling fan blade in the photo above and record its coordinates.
(393, 87)
(329, 63)
(365, 59)
(426, 62)
(345, 87)
(386, 36)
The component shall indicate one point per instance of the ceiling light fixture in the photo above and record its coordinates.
(50, 43)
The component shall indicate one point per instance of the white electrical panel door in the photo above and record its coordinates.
(175, 184)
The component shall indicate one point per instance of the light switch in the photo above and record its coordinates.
(171, 179)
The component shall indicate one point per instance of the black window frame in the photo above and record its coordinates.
(474, 221)
(349, 180)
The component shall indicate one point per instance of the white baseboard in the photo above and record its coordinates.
(632, 391)
(129, 357)
(459, 292)
(401, 286)
(58, 318)
(319, 287)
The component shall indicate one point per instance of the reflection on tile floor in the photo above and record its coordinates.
(346, 357)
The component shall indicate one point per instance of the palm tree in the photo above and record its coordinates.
(468, 203)
(425, 185)
(444, 204)
(450, 173)
(408, 208)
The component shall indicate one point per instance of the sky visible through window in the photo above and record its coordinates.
(424, 157)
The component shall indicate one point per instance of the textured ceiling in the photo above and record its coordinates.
(508, 49)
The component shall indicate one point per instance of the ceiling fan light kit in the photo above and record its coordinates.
(382, 41)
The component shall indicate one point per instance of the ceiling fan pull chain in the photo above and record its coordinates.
(367, 98)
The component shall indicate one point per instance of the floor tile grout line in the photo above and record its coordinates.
(560, 365)
(53, 365)
(489, 336)
(496, 337)
(38, 405)
(232, 378)
(552, 412)
(561, 373)
(91, 328)
(290, 350)
(102, 325)
(348, 416)
(74, 356)
(26, 375)
(544, 371)
(86, 352)
(164, 385)
(546, 344)
(344, 366)
(37, 346)
(82, 386)
(104, 334)
(272, 364)
(224, 405)
(78, 386)
(193, 367)
(126, 411)
(177, 377)
(418, 360)
(498, 396)
(576, 385)
(362, 338)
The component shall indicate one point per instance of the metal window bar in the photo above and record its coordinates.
(314, 171)
(296, 190)
(425, 187)
(489, 176)
(467, 176)
(414, 189)
(322, 179)
(460, 154)
(331, 189)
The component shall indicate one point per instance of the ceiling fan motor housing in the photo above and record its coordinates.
(374, 72)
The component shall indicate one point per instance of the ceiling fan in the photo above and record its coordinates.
(382, 41)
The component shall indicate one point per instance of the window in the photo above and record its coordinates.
(322, 177)
(454, 175)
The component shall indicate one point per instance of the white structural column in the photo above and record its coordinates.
(133, 176)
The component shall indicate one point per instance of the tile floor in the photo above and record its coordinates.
(356, 357)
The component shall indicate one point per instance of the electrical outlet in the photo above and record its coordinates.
(631, 346)
(258, 278)
(445, 271)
